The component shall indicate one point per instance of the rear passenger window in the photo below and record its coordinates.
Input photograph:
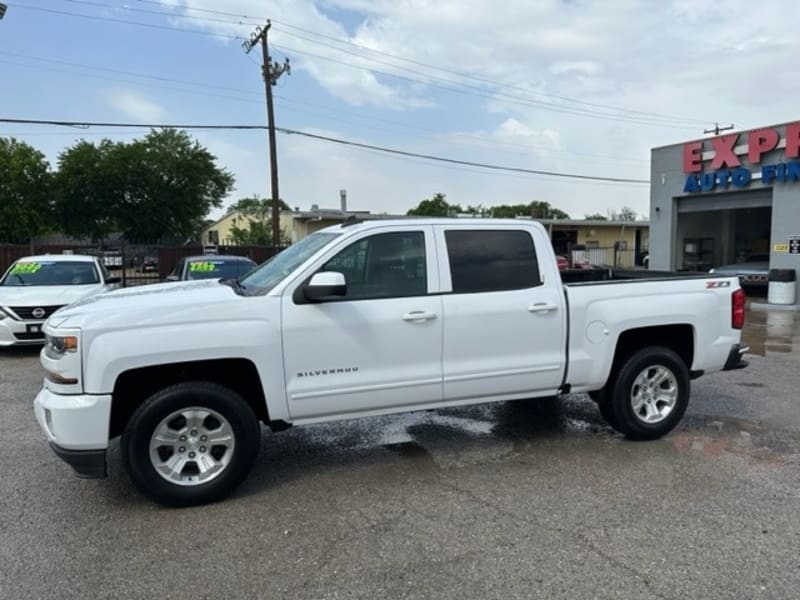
(491, 261)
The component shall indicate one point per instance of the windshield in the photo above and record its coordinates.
(218, 269)
(272, 272)
(43, 272)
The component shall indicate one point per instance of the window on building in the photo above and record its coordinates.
(491, 261)
(386, 265)
(622, 244)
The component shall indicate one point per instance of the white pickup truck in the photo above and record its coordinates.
(361, 319)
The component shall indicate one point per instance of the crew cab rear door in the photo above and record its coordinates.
(504, 312)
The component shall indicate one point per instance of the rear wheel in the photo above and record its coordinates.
(191, 443)
(650, 394)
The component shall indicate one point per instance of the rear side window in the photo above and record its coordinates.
(491, 261)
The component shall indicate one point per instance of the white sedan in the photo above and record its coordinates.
(33, 288)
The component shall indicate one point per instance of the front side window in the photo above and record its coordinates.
(45, 272)
(491, 261)
(386, 265)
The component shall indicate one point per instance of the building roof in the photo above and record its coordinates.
(590, 223)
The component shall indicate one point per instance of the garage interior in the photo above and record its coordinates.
(722, 229)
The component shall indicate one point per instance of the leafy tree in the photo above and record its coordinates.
(25, 184)
(536, 209)
(435, 207)
(171, 183)
(88, 190)
(256, 219)
(595, 217)
(156, 188)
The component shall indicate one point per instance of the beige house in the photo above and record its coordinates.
(622, 243)
(296, 224)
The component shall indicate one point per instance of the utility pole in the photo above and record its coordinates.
(717, 129)
(271, 71)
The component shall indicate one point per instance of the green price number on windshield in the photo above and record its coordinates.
(25, 268)
(202, 267)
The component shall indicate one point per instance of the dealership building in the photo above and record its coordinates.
(727, 199)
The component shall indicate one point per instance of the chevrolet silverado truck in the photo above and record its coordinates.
(369, 318)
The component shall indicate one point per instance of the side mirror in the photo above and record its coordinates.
(173, 278)
(112, 280)
(324, 285)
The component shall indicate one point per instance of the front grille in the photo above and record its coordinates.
(26, 337)
(25, 313)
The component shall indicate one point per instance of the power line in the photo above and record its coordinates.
(432, 157)
(654, 120)
(397, 57)
(288, 105)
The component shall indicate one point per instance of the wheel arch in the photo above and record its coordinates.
(134, 386)
(680, 338)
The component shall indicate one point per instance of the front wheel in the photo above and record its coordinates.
(191, 443)
(650, 394)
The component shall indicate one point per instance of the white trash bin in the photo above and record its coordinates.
(782, 286)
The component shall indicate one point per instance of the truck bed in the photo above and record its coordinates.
(574, 277)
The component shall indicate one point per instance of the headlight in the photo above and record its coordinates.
(57, 346)
(3, 315)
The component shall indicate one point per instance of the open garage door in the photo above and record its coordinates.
(723, 229)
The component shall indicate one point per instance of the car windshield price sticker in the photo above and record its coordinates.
(203, 267)
(25, 268)
(794, 244)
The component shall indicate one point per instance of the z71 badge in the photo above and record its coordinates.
(717, 284)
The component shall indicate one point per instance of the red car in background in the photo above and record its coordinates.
(581, 263)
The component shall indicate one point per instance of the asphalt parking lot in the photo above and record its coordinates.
(531, 499)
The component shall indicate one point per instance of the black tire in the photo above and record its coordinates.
(643, 363)
(136, 443)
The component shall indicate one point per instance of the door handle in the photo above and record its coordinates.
(419, 315)
(542, 307)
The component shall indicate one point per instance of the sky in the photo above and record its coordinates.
(565, 86)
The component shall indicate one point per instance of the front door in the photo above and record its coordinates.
(376, 348)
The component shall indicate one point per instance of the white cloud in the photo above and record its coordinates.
(134, 105)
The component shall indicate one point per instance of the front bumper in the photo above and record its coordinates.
(13, 332)
(735, 360)
(76, 427)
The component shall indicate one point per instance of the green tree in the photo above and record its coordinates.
(25, 185)
(595, 217)
(170, 184)
(89, 189)
(537, 209)
(156, 188)
(256, 222)
(434, 207)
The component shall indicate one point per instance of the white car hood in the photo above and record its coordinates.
(158, 304)
(46, 295)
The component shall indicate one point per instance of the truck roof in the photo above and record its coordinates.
(482, 222)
